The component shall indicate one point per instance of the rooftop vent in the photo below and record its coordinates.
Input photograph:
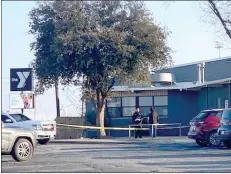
(163, 79)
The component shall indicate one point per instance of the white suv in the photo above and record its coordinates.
(45, 130)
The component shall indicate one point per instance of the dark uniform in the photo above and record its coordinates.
(137, 119)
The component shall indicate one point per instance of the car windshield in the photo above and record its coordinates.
(205, 114)
(226, 115)
(19, 117)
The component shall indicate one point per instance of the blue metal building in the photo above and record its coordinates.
(178, 94)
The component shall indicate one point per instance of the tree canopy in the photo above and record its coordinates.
(101, 41)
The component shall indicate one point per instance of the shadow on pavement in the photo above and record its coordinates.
(203, 164)
(143, 148)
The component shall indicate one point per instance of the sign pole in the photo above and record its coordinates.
(22, 108)
(34, 106)
(21, 80)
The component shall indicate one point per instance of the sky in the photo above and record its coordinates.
(191, 39)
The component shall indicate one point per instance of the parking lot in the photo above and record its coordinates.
(133, 157)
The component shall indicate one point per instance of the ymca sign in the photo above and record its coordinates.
(21, 79)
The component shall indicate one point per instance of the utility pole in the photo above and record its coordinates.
(57, 98)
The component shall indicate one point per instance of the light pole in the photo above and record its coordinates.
(218, 46)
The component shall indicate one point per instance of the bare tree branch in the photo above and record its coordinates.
(215, 10)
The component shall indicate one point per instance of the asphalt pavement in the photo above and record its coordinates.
(136, 156)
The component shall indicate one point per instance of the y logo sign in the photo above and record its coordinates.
(22, 78)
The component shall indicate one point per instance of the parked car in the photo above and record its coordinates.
(18, 142)
(45, 130)
(204, 127)
(224, 131)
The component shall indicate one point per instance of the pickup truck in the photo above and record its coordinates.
(18, 142)
(45, 130)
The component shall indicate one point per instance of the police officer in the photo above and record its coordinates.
(137, 119)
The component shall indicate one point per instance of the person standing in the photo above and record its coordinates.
(153, 118)
(137, 119)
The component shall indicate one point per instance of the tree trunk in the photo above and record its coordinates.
(57, 98)
(100, 119)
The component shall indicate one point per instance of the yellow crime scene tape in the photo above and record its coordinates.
(106, 128)
(115, 128)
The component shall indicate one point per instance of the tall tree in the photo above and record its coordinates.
(101, 41)
(47, 50)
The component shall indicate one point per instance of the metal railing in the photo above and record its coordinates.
(154, 127)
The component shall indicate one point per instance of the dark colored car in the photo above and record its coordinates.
(224, 131)
(204, 126)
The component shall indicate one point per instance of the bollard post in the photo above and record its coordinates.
(129, 132)
(180, 130)
(152, 131)
(155, 130)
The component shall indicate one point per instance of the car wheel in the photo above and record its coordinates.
(212, 139)
(227, 144)
(43, 141)
(201, 143)
(22, 150)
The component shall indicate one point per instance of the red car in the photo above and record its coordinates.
(204, 127)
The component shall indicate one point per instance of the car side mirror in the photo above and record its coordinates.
(8, 120)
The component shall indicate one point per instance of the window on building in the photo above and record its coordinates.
(145, 103)
(128, 111)
(161, 100)
(128, 101)
(129, 105)
(161, 105)
(162, 111)
(114, 102)
(145, 110)
(114, 112)
(114, 107)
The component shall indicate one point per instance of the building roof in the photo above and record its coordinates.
(179, 86)
(197, 62)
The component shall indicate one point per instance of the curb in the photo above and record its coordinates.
(103, 141)
(91, 141)
(88, 142)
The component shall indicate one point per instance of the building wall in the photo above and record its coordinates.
(182, 107)
(202, 103)
(180, 74)
(214, 97)
(214, 70)
(217, 70)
